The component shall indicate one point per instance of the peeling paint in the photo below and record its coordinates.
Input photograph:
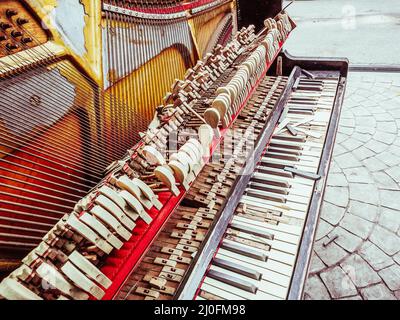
(69, 18)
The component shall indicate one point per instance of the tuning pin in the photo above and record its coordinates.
(5, 26)
(26, 40)
(22, 21)
(3, 37)
(10, 13)
(11, 46)
(16, 34)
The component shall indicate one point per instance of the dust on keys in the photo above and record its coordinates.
(160, 273)
(257, 255)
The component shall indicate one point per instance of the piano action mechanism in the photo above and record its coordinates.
(215, 196)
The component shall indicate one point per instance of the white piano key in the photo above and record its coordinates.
(250, 252)
(219, 292)
(297, 182)
(311, 100)
(315, 104)
(315, 154)
(247, 228)
(266, 274)
(286, 156)
(277, 235)
(233, 279)
(313, 134)
(295, 117)
(294, 190)
(261, 285)
(273, 254)
(237, 268)
(289, 185)
(279, 205)
(283, 143)
(313, 165)
(238, 292)
(277, 244)
(267, 177)
(270, 264)
(298, 145)
(279, 197)
(291, 197)
(287, 212)
(254, 185)
(281, 227)
(309, 94)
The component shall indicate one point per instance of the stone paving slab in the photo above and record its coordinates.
(347, 28)
(362, 202)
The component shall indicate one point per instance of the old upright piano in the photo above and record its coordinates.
(159, 149)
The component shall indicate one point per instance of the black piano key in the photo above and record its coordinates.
(247, 252)
(301, 139)
(303, 100)
(263, 196)
(312, 82)
(282, 156)
(265, 163)
(309, 87)
(253, 274)
(292, 130)
(284, 143)
(233, 281)
(300, 111)
(275, 172)
(282, 150)
(249, 229)
(308, 74)
(297, 106)
(273, 182)
(268, 188)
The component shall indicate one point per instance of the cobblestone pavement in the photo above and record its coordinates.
(346, 28)
(357, 247)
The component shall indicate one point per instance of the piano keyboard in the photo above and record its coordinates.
(257, 255)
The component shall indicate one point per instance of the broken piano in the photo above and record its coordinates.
(218, 197)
